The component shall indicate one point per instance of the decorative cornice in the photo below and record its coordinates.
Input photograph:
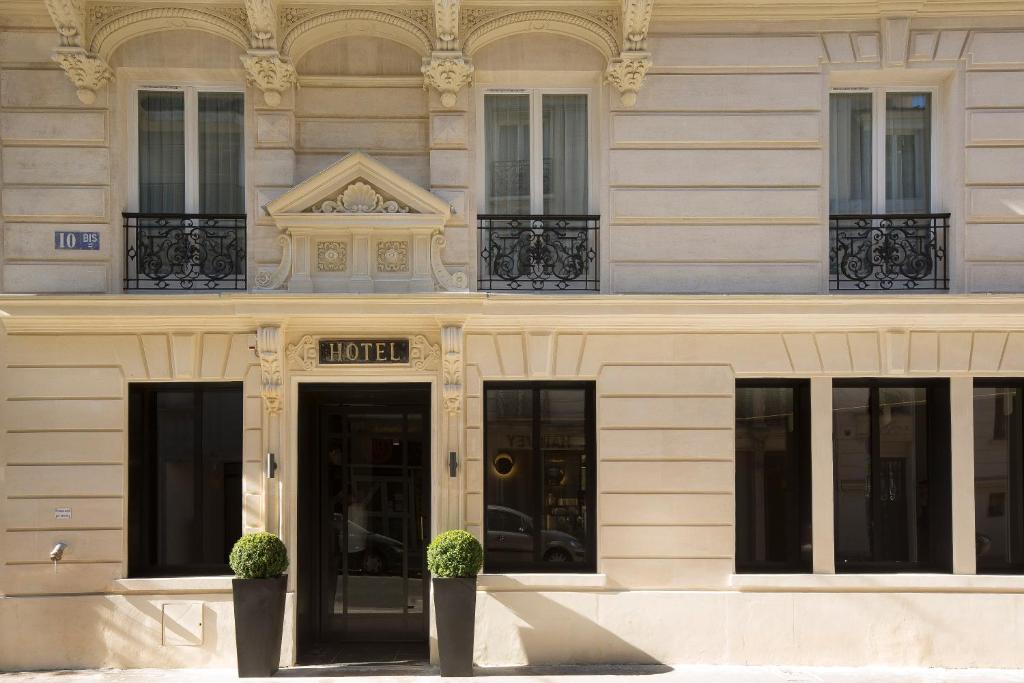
(268, 348)
(111, 29)
(626, 74)
(582, 26)
(417, 32)
(447, 73)
(270, 73)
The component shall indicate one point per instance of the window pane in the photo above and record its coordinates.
(902, 478)
(221, 153)
(176, 479)
(908, 157)
(851, 430)
(563, 448)
(512, 497)
(998, 479)
(507, 153)
(161, 152)
(850, 155)
(772, 496)
(565, 154)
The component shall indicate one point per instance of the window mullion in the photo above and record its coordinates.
(536, 153)
(191, 150)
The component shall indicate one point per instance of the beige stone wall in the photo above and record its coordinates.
(64, 444)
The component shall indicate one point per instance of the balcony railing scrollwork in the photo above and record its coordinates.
(886, 252)
(540, 253)
(191, 252)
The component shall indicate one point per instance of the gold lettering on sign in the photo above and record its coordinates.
(358, 351)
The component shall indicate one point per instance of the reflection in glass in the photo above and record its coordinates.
(998, 478)
(889, 505)
(507, 154)
(850, 170)
(539, 478)
(773, 529)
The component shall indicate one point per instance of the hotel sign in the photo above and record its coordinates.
(363, 351)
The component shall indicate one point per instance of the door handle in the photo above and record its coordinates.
(421, 527)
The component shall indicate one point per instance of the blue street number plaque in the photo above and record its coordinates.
(89, 241)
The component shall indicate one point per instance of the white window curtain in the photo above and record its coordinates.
(850, 173)
(221, 153)
(908, 133)
(161, 152)
(507, 153)
(565, 154)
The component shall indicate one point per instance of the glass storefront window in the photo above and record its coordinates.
(539, 477)
(999, 476)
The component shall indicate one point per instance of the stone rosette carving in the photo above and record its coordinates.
(303, 355)
(331, 257)
(358, 197)
(87, 72)
(626, 74)
(268, 349)
(423, 355)
(270, 73)
(392, 256)
(447, 73)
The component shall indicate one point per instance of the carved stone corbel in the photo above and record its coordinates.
(446, 280)
(447, 70)
(85, 70)
(262, 16)
(451, 368)
(626, 72)
(447, 73)
(270, 73)
(274, 279)
(268, 348)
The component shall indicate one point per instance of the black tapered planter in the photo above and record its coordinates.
(455, 615)
(259, 623)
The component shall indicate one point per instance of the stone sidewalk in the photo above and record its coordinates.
(609, 674)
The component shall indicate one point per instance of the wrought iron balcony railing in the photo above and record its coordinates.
(887, 252)
(183, 251)
(541, 253)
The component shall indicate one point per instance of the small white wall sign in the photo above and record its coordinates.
(62, 513)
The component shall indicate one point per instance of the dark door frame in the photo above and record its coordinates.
(308, 565)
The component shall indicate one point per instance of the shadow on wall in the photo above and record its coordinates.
(553, 631)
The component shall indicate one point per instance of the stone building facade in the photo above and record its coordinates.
(704, 317)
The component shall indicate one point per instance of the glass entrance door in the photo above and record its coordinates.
(366, 494)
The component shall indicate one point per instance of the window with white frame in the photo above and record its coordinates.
(881, 151)
(535, 153)
(191, 151)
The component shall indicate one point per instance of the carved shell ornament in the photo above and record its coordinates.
(360, 198)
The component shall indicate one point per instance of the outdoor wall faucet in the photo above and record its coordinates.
(57, 554)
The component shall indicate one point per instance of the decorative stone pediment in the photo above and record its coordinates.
(358, 226)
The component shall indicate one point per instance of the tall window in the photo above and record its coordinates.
(539, 477)
(892, 476)
(184, 477)
(191, 151)
(881, 152)
(535, 153)
(773, 492)
(999, 475)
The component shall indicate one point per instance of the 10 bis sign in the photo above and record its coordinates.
(76, 240)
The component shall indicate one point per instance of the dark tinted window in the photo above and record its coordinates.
(773, 493)
(539, 477)
(999, 476)
(892, 478)
(185, 477)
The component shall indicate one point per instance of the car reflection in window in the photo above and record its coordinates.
(510, 534)
(368, 552)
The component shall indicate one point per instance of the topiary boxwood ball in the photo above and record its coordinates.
(260, 555)
(455, 554)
